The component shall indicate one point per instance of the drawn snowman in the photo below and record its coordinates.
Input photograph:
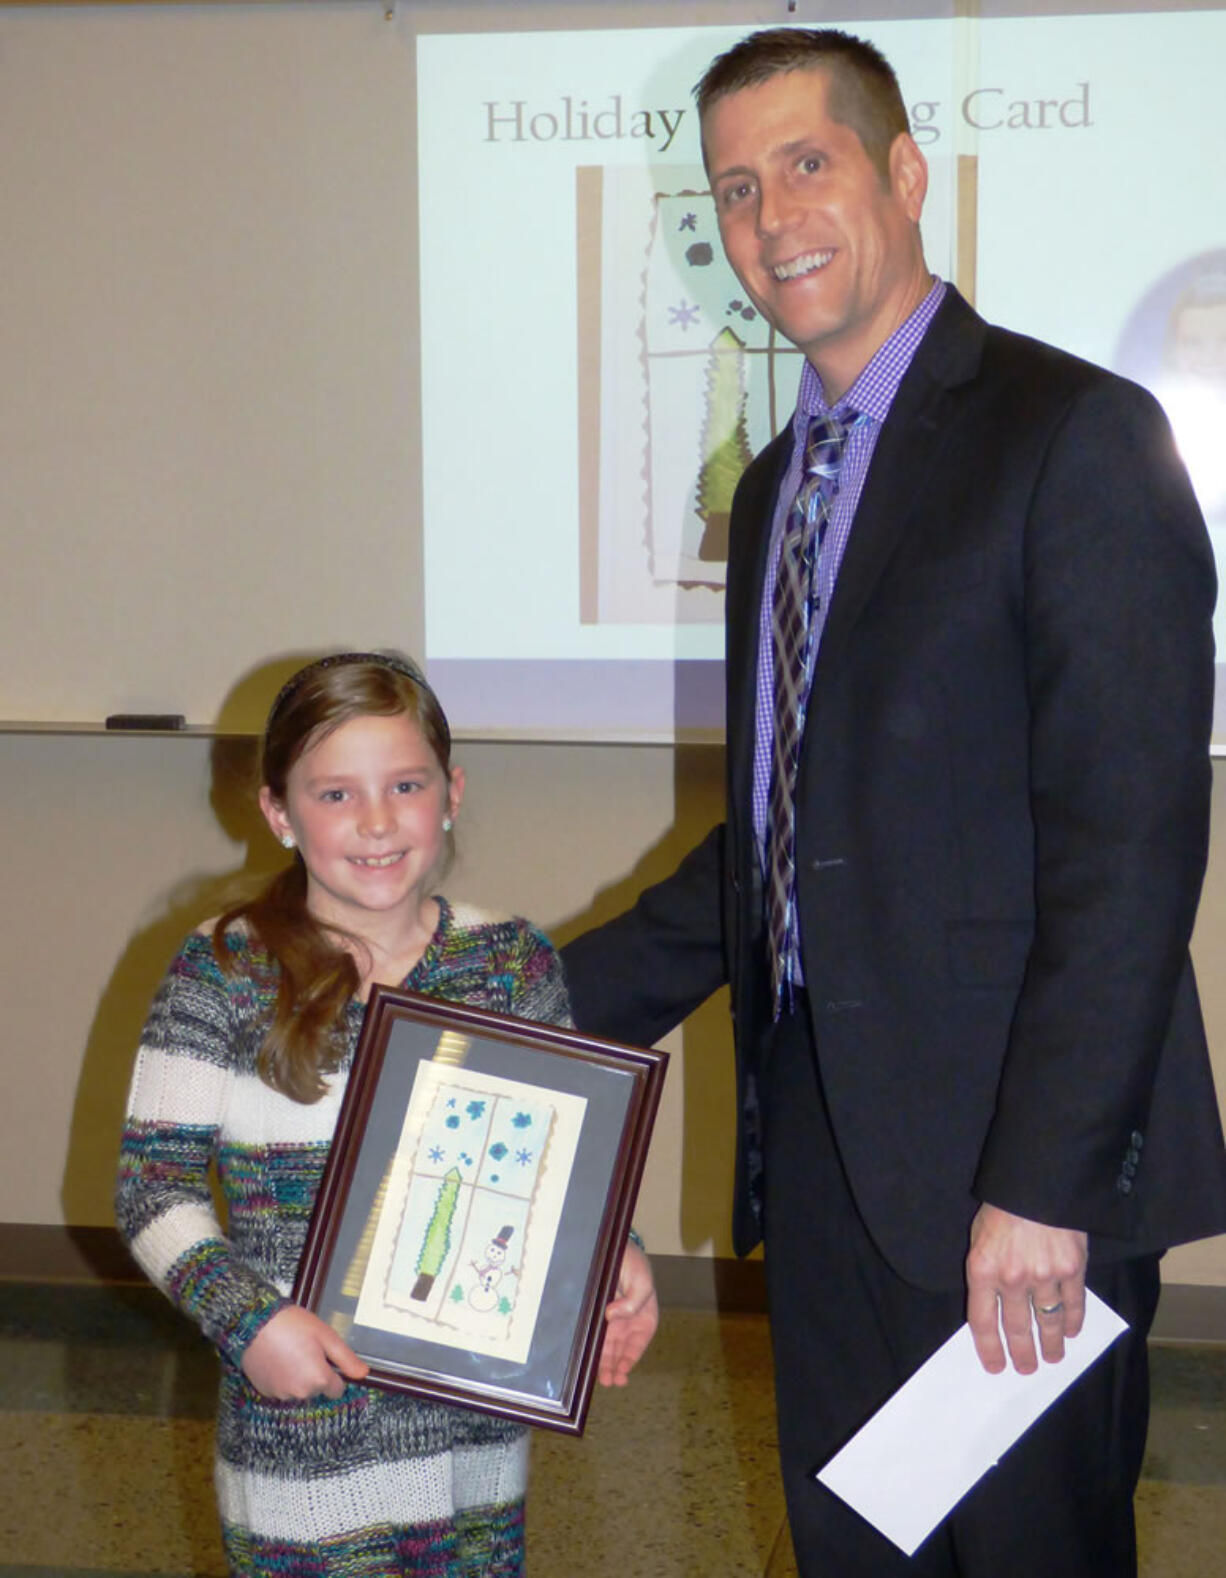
(491, 1269)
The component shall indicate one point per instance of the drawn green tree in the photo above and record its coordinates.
(725, 442)
(436, 1245)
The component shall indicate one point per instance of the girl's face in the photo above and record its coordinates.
(365, 806)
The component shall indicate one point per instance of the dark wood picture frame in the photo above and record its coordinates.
(600, 1095)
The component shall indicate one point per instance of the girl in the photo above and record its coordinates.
(243, 1063)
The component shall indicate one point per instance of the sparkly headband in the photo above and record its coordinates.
(394, 661)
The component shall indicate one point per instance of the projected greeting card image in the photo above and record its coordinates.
(681, 382)
(692, 383)
(471, 1211)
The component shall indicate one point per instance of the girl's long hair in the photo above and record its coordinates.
(316, 976)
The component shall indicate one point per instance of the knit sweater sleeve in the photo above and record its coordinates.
(181, 1088)
(540, 985)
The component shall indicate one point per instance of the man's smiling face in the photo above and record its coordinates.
(825, 245)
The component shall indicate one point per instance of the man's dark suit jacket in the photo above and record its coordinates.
(1002, 822)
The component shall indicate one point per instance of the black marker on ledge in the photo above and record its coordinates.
(146, 722)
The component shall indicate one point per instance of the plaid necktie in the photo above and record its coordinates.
(795, 604)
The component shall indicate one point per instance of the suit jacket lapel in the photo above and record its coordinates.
(908, 448)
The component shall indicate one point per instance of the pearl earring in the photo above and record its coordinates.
(287, 841)
(448, 824)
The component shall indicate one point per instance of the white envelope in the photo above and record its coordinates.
(915, 1459)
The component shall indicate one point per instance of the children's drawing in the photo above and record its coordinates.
(464, 1241)
(437, 1242)
(490, 1270)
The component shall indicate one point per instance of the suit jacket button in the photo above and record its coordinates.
(1136, 1139)
(1124, 1185)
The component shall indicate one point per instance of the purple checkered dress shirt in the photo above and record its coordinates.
(871, 396)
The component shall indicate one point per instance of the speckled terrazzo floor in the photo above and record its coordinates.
(105, 1453)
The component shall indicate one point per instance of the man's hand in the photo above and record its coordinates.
(1016, 1266)
(630, 1321)
(296, 1356)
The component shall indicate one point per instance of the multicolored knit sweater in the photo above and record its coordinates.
(373, 1483)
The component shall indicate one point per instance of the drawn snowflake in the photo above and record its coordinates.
(688, 222)
(498, 1150)
(683, 315)
(523, 1157)
(437, 1153)
(475, 1109)
(453, 1122)
(522, 1120)
(451, 1101)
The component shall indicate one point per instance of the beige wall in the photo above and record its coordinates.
(111, 848)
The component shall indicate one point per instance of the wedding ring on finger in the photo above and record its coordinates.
(1049, 1309)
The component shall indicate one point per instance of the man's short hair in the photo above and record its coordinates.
(863, 90)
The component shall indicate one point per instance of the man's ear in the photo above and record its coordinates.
(908, 175)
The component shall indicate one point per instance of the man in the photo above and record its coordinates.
(969, 673)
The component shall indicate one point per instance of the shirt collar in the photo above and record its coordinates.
(874, 389)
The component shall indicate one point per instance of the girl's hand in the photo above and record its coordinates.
(296, 1356)
(630, 1321)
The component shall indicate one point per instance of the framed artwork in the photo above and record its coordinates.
(473, 1212)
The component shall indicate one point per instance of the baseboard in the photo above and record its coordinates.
(700, 1282)
(34, 1252)
(1190, 1312)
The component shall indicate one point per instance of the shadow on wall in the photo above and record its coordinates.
(115, 1032)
